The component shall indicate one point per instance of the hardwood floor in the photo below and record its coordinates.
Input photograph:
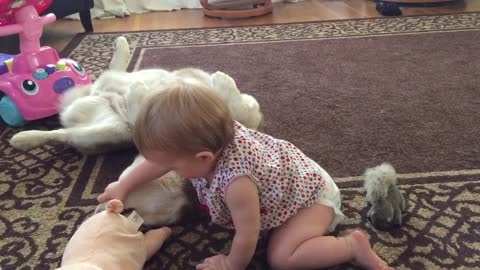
(61, 32)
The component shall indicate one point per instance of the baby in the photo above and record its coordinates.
(248, 181)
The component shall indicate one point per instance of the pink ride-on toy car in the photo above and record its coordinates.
(32, 82)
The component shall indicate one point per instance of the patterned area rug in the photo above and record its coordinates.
(351, 94)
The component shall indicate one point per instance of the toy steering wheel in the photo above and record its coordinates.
(9, 7)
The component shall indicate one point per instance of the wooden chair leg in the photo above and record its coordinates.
(86, 19)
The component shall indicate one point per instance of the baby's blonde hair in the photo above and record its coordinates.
(184, 118)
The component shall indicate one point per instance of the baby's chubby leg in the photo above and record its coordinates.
(301, 243)
(154, 240)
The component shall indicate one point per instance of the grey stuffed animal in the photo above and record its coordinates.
(387, 203)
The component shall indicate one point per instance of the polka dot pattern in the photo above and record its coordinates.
(286, 178)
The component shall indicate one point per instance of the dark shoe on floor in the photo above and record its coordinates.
(388, 9)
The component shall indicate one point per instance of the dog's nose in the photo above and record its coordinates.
(63, 84)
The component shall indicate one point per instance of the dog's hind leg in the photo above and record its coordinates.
(121, 55)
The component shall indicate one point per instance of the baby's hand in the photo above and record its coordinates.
(113, 191)
(219, 262)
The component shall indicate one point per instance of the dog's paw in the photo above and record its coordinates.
(121, 45)
(26, 140)
(138, 86)
(248, 112)
(250, 102)
(121, 54)
(224, 83)
(136, 92)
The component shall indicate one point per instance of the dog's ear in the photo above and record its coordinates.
(135, 96)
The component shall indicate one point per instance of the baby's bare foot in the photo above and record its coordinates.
(364, 254)
(161, 233)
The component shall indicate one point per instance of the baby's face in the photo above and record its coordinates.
(188, 166)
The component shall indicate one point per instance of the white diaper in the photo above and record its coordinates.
(330, 196)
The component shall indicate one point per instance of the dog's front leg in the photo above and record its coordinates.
(27, 140)
(100, 138)
(85, 139)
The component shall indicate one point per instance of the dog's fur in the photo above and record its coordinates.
(100, 117)
(161, 202)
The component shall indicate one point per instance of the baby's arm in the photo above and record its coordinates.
(244, 204)
(145, 171)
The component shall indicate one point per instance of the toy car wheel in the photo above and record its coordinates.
(10, 113)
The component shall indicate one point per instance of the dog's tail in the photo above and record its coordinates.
(378, 180)
(121, 55)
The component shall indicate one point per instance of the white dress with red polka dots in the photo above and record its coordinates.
(286, 180)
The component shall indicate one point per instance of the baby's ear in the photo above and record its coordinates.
(205, 156)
